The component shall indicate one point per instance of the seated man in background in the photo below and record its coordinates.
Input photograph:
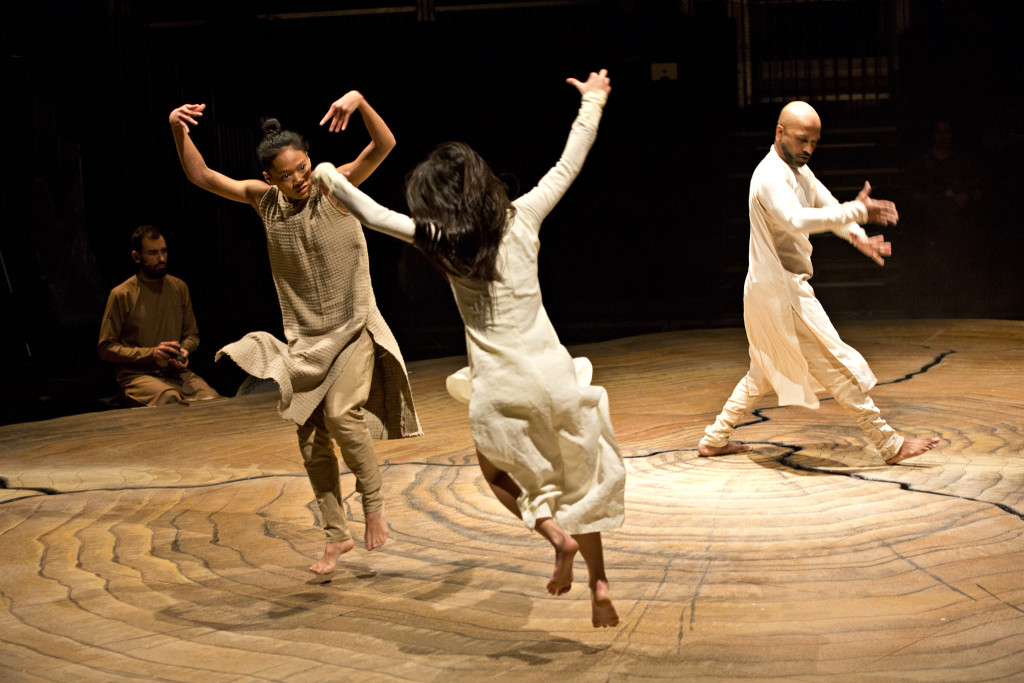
(149, 330)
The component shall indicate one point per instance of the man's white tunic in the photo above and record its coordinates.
(786, 206)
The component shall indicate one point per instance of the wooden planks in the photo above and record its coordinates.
(172, 542)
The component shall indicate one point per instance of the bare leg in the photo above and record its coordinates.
(912, 448)
(728, 449)
(602, 610)
(332, 552)
(502, 486)
(376, 528)
(565, 552)
(507, 492)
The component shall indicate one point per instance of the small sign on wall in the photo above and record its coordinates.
(664, 71)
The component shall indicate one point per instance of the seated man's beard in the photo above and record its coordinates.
(154, 273)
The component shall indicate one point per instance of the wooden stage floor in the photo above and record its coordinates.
(172, 543)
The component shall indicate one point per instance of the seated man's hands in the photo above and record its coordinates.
(171, 353)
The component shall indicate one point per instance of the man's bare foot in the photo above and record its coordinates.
(602, 610)
(376, 529)
(727, 449)
(565, 553)
(912, 448)
(332, 552)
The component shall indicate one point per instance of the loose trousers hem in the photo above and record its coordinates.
(832, 375)
(341, 416)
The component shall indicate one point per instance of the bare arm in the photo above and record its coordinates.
(192, 162)
(382, 141)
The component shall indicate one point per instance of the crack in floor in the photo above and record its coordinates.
(794, 449)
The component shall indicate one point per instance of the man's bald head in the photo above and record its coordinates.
(797, 133)
(799, 113)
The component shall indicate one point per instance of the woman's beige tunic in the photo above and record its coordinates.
(321, 270)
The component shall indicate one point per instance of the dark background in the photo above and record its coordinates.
(652, 236)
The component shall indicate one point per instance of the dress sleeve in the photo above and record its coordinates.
(539, 201)
(370, 213)
(827, 215)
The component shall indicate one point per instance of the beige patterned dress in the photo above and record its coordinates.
(321, 271)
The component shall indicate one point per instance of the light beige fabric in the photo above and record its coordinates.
(831, 374)
(794, 347)
(341, 416)
(786, 206)
(530, 415)
(321, 271)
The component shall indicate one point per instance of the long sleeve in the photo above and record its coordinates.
(540, 200)
(777, 193)
(111, 346)
(189, 328)
(139, 316)
(846, 231)
(370, 213)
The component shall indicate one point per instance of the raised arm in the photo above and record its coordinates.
(540, 200)
(382, 141)
(196, 170)
(370, 213)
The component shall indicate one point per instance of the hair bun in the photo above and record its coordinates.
(270, 125)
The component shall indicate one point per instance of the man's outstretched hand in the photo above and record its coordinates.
(875, 247)
(880, 211)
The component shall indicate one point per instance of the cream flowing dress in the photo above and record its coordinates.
(531, 415)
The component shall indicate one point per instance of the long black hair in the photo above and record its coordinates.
(461, 211)
(276, 139)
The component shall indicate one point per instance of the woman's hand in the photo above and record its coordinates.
(341, 110)
(186, 114)
(595, 81)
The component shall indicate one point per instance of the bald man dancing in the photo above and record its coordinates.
(791, 338)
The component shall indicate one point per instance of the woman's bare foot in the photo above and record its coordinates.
(912, 448)
(602, 610)
(376, 529)
(565, 553)
(332, 552)
(727, 449)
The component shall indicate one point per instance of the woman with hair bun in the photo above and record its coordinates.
(341, 373)
(543, 435)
